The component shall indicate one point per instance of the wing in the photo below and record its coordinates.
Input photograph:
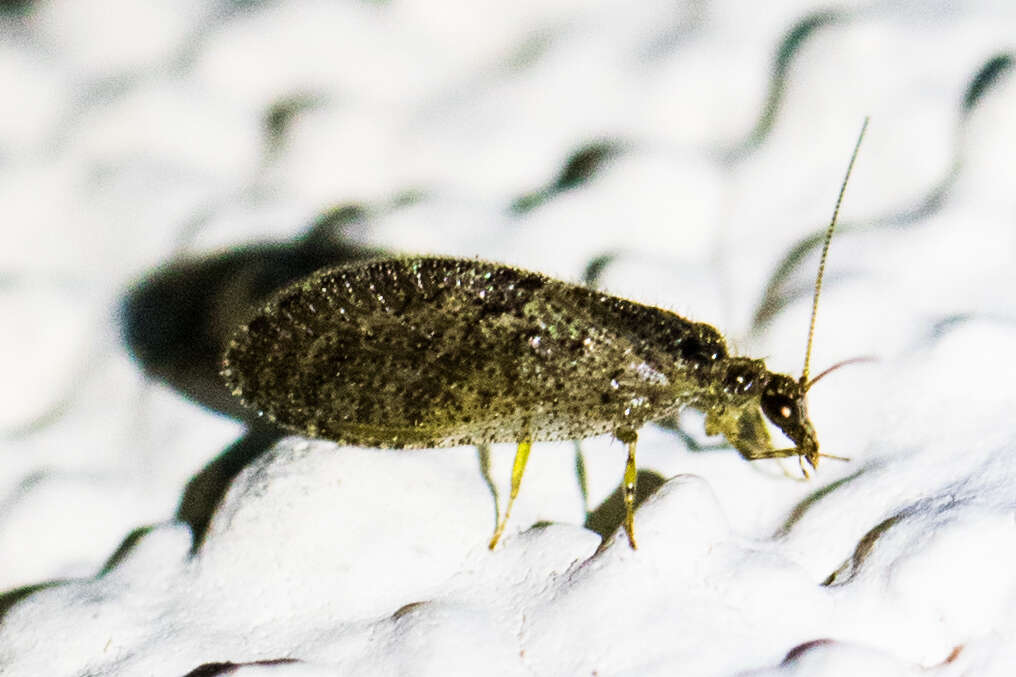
(434, 352)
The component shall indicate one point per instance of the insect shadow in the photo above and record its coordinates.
(176, 320)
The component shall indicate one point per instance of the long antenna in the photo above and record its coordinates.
(825, 254)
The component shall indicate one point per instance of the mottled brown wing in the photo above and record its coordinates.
(433, 352)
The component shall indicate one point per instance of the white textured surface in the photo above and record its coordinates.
(136, 137)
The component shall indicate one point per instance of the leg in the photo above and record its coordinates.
(757, 454)
(787, 453)
(628, 487)
(518, 467)
(629, 495)
(483, 457)
(580, 472)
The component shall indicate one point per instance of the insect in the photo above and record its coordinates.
(436, 352)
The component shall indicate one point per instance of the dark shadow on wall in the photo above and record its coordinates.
(176, 322)
(206, 489)
(609, 515)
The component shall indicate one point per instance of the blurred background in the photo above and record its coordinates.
(165, 165)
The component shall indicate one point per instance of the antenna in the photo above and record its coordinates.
(825, 254)
(853, 360)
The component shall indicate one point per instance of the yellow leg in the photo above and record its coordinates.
(518, 467)
(630, 476)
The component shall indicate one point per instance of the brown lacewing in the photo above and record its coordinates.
(423, 352)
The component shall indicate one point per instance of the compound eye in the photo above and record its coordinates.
(778, 408)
